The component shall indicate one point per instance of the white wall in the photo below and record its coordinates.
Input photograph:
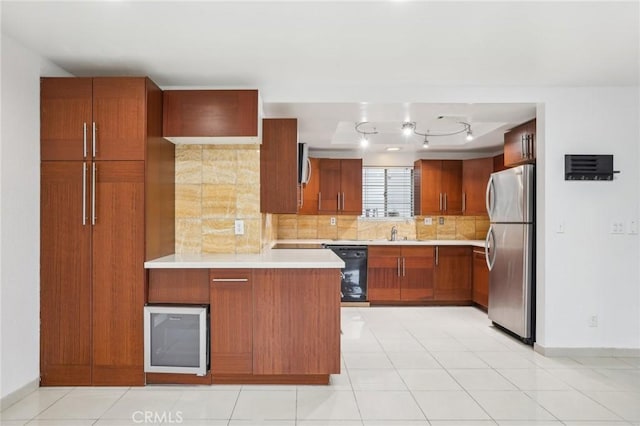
(20, 218)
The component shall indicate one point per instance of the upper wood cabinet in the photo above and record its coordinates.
(498, 163)
(475, 175)
(340, 186)
(279, 166)
(310, 190)
(438, 187)
(400, 273)
(102, 118)
(452, 277)
(212, 116)
(520, 144)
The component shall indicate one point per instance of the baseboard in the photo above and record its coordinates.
(18, 394)
(586, 352)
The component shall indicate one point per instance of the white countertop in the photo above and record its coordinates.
(474, 243)
(285, 258)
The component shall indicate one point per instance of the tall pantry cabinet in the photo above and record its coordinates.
(107, 199)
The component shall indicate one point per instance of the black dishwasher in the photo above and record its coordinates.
(354, 273)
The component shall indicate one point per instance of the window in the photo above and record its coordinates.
(387, 191)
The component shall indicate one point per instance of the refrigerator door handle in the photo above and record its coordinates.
(489, 246)
(489, 196)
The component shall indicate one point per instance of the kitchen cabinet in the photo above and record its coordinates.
(212, 116)
(96, 211)
(475, 175)
(400, 273)
(231, 321)
(520, 144)
(185, 286)
(279, 166)
(310, 190)
(101, 118)
(498, 163)
(480, 279)
(452, 274)
(340, 186)
(438, 187)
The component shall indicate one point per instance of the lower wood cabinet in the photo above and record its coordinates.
(400, 273)
(231, 321)
(452, 274)
(480, 279)
(188, 286)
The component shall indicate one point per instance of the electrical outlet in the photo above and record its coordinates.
(428, 221)
(332, 221)
(593, 320)
(617, 227)
(633, 227)
(441, 220)
(239, 227)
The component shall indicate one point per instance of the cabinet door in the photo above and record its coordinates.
(65, 118)
(118, 273)
(451, 186)
(475, 175)
(498, 163)
(310, 190)
(431, 196)
(231, 321)
(383, 273)
(520, 144)
(351, 187)
(452, 278)
(188, 286)
(330, 185)
(480, 278)
(119, 113)
(65, 275)
(296, 321)
(530, 129)
(279, 166)
(417, 273)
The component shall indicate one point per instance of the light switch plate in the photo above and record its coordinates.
(332, 221)
(428, 221)
(239, 227)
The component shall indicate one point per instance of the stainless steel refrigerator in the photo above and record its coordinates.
(510, 248)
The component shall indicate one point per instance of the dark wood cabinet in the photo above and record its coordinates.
(187, 286)
(400, 273)
(480, 278)
(438, 187)
(95, 214)
(452, 276)
(340, 186)
(475, 175)
(211, 113)
(498, 163)
(311, 189)
(520, 144)
(279, 166)
(231, 321)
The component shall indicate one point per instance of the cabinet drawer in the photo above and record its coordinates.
(179, 286)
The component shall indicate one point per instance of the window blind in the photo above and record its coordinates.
(387, 191)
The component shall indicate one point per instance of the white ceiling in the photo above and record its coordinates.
(299, 54)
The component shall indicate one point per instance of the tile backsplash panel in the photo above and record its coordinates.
(216, 184)
(352, 228)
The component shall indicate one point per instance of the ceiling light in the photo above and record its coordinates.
(425, 144)
(469, 135)
(393, 148)
(408, 127)
(364, 142)
(361, 128)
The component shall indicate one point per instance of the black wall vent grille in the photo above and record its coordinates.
(588, 167)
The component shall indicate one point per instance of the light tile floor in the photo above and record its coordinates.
(439, 366)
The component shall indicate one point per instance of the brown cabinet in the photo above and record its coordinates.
(279, 166)
(187, 286)
(475, 175)
(520, 144)
(340, 186)
(98, 118)
(231, 321)
(498, 163)
(211, 114)
(438, 187)
(452, 276)
(400, 273)
(95, 213)
(310, 190)
(480, 278)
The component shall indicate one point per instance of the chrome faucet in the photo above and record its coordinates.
(394, 233)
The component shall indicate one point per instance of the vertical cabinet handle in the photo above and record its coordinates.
(531, 136)
(338, 201)
(84, 192)
(522, 147)
(343, 201)
(464, 202)
(319, 200)
(93, 139)
(93, 194)
(404, 267)
(440, 201)
(445, 201)
(398, 266)
(84, 140)
(437, 255)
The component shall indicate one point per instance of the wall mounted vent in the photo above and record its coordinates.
(588, 167)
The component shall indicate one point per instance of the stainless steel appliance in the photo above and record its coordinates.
(176, 339)
(354, 274)
(509, 250)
